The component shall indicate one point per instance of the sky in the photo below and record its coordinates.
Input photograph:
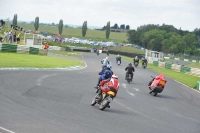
(184, 14)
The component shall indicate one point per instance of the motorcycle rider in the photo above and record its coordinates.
(136, 59)
(105, 62)
(144, 60)
(97, 51)
(161, 76)
(130, 69)
(111, 84)
(105, 74)
(118, 58)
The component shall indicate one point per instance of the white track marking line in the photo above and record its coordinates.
(136, 89)
(4, 129)
(124, 85)
(43, 77)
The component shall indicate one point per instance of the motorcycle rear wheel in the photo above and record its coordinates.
(104, 104)
(155, 93)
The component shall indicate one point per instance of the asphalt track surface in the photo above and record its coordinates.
(59, 102)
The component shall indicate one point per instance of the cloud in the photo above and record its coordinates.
(179, 13)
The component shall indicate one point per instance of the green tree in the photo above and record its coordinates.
(84, 28)
(127, 27)
(116, 26)
(133, 36)
(36, 24)
(122, 26)
(166, 44)
(108, 30)
(60, 26)
(15, 20)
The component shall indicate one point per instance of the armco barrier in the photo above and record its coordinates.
(198, 85)
(42, 52)
(161, 64)
(82, 50)
(176, 67)
(168, 65)
(150, 61)
(9, 48)
(155, 63)
(185, 69)
(33, 50)
(22, 49)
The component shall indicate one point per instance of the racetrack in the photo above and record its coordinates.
(59, 102)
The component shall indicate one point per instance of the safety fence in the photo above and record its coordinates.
(14, 48)
(176, 67)
(182, 59)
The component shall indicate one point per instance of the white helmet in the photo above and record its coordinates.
(115, 76)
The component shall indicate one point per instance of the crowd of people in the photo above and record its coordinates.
(11, 36)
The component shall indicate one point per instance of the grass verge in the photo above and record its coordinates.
(65, 53)
(186, 79)
(34, 61)
(127, 49)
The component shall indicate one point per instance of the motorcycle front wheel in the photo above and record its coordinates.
(94, 101)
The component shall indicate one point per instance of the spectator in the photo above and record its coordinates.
(18, 38)
(11, 36)
(6, 35)
(2, 23)
(14, 37)
(1, 39)
(46, 45)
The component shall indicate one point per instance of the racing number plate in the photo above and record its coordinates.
(162, 82)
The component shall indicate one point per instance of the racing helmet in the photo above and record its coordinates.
(109, 66)
(115, 76)
(130, 64)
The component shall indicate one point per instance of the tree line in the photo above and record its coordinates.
(166, 38)
(60, 26)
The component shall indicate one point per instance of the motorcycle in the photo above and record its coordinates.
(136, 64)
(103, 100)
(118, 62)
(157, 85)
(128, 78)
(144, 65)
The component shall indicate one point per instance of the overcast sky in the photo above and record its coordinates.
(180, 13)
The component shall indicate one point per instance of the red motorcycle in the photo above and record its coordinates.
(107, 91)
(157, 84)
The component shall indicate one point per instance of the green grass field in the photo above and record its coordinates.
(65, 53)
(194, 65)
(127, 49)
(77, 32)
(35, 61)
